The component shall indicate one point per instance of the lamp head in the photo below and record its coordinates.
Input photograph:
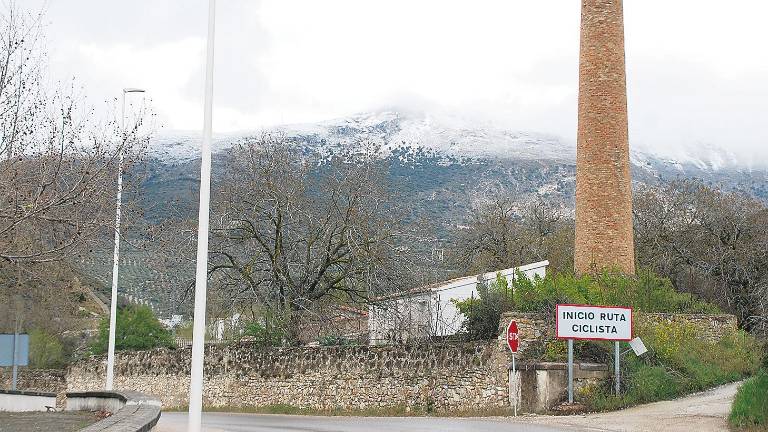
(133, 90)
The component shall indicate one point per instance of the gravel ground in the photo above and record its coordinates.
(45, 422)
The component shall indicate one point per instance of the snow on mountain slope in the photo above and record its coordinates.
(444, 135)
(390, 130)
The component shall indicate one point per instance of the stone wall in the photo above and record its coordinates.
(710, 328)
(39, 380)
(532, 329)
(446, 377)
(535, 328)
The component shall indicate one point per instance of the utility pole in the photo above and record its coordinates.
(201, 273)
(116, 254)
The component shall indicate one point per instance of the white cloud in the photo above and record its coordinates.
(695, 68)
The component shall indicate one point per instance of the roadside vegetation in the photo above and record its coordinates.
(750, 408)
(677, 362)
(646, 292)
(137, 329)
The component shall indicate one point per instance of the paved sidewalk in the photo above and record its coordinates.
(45, 422)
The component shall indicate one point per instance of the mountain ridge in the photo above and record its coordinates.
(449, 135)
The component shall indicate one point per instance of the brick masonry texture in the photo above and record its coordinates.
(604, 235)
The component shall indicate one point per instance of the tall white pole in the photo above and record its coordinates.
(201, 274)
(116, 257)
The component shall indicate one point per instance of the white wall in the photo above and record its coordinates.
(23, 402)
(401, 319)
(406, 317)
(94, 403)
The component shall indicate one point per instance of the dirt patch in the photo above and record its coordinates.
(45, 422)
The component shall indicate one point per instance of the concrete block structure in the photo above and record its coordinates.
(604, 233)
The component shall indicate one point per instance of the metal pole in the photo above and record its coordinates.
(15, 352)
(201, 274)
(617, 370)
(116, 257)
(517, 385)
(570, 370)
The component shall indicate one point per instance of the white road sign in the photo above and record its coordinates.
(594, 322)
(638, 346)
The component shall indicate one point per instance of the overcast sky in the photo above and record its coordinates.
(697, 69)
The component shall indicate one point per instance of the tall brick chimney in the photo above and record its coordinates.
(604, 235)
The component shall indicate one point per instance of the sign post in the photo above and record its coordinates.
(570, 370)
(617, 370)
(513, 342)
(585, 322)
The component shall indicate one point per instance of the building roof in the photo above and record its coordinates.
(464, 280)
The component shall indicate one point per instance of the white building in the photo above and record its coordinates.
(430, 311)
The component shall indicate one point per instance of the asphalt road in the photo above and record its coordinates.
(215, 422)
(701, 412)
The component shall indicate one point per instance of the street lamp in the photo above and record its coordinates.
(116, 257)
(201, 272)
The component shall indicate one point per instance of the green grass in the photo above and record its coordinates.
(677, 364)
(750, 408)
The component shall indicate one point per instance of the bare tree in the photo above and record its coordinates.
(506, 233)
(291, 229)
(58, 171)
(709, 242)
(59, 166)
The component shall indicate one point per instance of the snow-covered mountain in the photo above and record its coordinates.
(497, 159)
(445, 135)
(390, 129)
(440, 169)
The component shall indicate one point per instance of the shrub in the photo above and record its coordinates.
(264, 335)
(750, 408)
(645, 292)
(678, 363)
(334, 340)
(45, 350)
(137, 329)
(483, 313)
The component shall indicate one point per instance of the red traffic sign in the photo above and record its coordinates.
(513, 340)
